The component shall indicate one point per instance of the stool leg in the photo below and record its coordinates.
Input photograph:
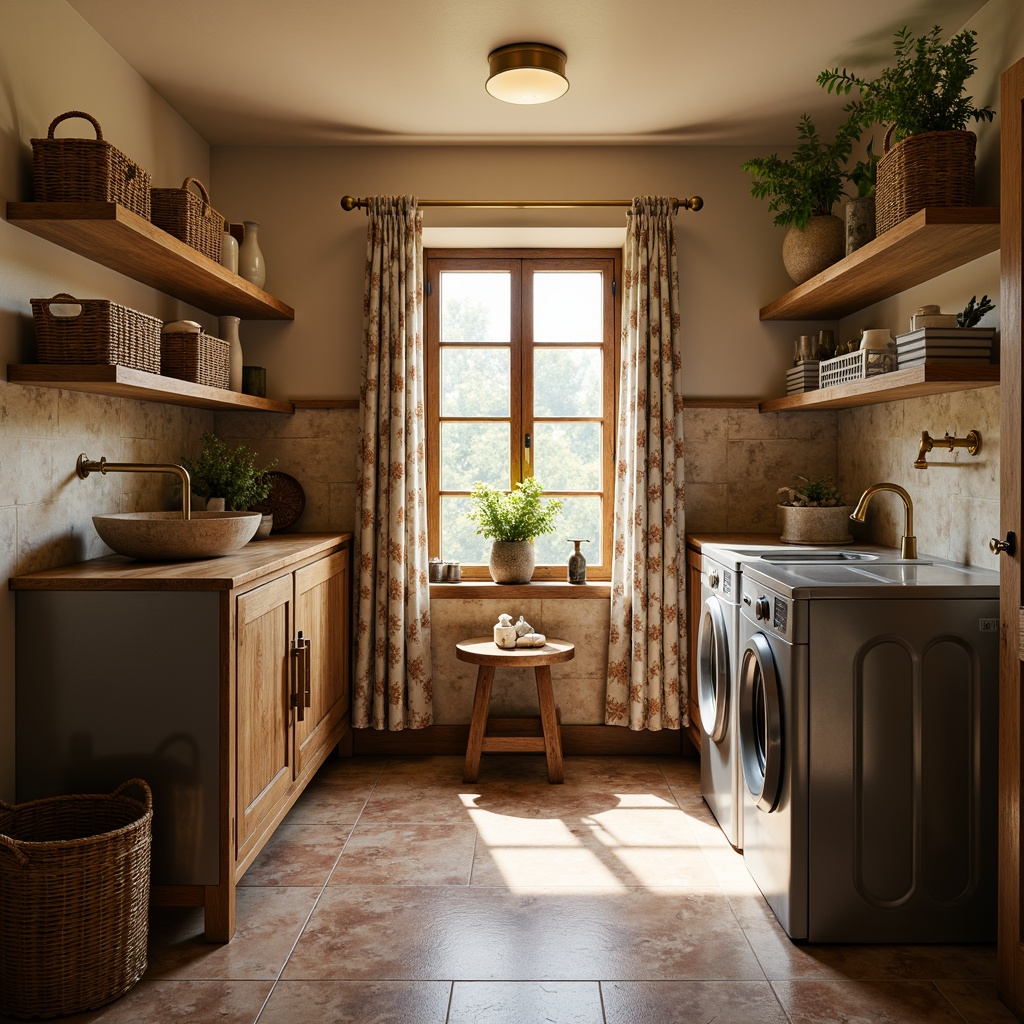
(478, 723)
(549, 724)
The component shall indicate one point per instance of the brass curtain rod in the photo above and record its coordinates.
(693, 203)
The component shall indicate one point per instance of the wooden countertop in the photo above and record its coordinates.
(697, 540)
(253, 560)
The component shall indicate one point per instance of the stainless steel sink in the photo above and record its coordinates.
(826, 556)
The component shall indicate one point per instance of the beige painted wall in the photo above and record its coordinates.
(50, 62)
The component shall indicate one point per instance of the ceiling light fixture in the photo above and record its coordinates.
(527, 73)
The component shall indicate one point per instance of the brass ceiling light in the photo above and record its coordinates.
(527, 73)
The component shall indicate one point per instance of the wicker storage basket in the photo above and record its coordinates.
(74, 893)
(931, 169)
(101, 332)
(190, 217)
(199, 358)
(87, 171)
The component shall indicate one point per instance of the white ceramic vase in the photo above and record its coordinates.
(229, 253)
(229, 332)
(250, 259)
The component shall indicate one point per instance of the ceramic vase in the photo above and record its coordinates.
(250, 259)
(577, 564)
(808, 251)
(511, 561)
(859, 214)
(229, 332)
(229, 253)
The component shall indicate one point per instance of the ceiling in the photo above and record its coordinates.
(382, 72)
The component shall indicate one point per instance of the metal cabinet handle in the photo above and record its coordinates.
(300, 677)
(1007, 547)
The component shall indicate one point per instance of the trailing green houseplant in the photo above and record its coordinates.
(229, 473)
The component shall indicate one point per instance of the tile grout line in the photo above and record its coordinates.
(316, 902)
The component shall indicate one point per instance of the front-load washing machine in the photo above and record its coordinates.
(717, 665)
(867, 739)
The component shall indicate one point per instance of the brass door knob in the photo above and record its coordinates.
(1008, 546)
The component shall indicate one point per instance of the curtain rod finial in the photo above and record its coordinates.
(694, 203)
(350, 203)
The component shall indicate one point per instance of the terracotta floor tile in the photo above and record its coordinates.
(504, 1002)
(269, 922)
(865, 1002)
(407, 855)
(337, 794)
(179, 1002)
(298, 855)
(977, 1001)
(478, 934)
(358, 1002)
(691, 1002)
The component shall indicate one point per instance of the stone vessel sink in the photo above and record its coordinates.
(165, 536)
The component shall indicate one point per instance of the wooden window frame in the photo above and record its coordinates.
(522, 263)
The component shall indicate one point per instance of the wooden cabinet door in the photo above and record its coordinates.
(1011, 676)
(264, 749)
(322, 617)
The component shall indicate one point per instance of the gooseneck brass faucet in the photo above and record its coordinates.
(908, 544)
(85, 466)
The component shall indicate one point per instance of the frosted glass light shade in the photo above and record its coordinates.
(527, 73)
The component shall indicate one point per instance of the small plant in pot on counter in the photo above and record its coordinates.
(512, 521)
(814, 512)
(229, 473)
(811, 494)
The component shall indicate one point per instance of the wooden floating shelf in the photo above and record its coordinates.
(124, 382)
(913, 382)
(923, 246)
(119, 239)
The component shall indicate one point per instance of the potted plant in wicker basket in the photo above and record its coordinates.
(928, 153)
(512, 521)
(814, 512)
(802, 191)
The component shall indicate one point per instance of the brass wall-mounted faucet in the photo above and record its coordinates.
(908, 544)
(85, 466)
(972, 442)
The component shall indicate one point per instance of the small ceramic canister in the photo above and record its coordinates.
(505, 633)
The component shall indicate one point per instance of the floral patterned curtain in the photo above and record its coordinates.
(393, 687)
(647, 645)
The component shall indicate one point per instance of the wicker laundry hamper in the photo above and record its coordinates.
(930, 169)
(74, 900)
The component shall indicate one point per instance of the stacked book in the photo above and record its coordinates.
(802, 377)
(945, 345)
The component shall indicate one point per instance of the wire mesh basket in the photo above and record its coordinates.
(858, 365)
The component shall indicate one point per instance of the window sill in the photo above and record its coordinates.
(538, 591)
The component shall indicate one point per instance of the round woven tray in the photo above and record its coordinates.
(286, 501)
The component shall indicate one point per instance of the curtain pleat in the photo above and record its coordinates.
(393, 680)
(647, 638)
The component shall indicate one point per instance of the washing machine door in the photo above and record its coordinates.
(713, 669)
(760, 723)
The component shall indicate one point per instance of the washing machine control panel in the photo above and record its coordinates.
(769, 610)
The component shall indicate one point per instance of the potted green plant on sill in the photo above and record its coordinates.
(922, 99)
(512, 521)
(814, 512)
(802, 190)
(230, 474)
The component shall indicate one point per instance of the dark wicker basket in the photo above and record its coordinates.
(101, 332)
(931, 169)
(74, 888)
(190, 217)
(87, 171)
(195, 357)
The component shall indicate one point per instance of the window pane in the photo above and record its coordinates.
(459, 542)
(580, 517)
(475, 307)
(567, 456)
(567, 382)
(475, 382)
(472, 452)
(567, 308)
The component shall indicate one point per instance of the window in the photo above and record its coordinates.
(521, 356)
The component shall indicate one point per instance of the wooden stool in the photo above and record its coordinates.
(483, 651)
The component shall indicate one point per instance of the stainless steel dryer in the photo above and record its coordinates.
(867, 739)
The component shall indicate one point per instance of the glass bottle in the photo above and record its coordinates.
(577, 564)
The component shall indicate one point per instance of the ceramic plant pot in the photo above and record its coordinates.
(808, 251)
(860, 222)
(803, 524)
(512, 561)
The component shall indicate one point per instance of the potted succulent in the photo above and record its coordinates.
(229, 474)
(814, 512)
(802, 191)
(512, 521)
(928, 153)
